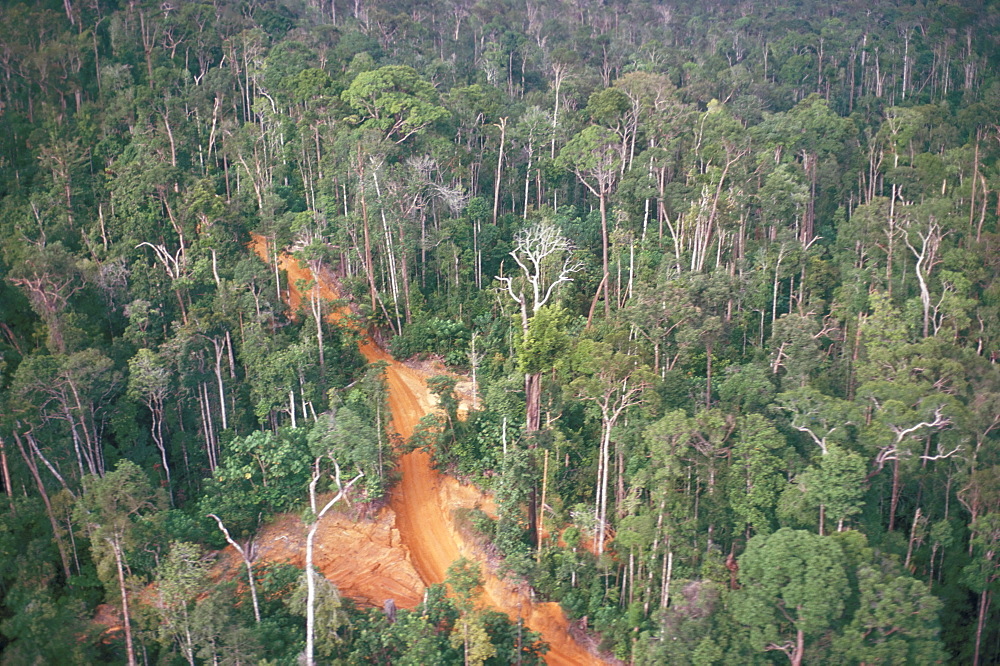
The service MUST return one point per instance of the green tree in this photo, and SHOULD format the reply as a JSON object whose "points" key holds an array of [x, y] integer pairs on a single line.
{"points": [[595, 157], [836, 484], [342, 433], [149, 382], [615, 383], [794, 590], [395, 100], [115, 511], [260, 474], [469, 632], [896, 621], [755, 478], [982, 575], [823, 418], [49, 277], [181, 577], [317, 592], [328, 612], [45, 629], [545, 259]]}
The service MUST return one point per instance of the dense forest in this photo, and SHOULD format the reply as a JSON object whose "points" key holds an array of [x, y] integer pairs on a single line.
{"points": [[724, 276]]}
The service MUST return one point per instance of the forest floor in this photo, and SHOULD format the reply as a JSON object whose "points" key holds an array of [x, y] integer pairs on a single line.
{"points": [[410, 543]]}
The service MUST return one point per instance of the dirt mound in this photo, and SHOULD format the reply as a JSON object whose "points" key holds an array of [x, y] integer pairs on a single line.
{"points": [[364, 558]]}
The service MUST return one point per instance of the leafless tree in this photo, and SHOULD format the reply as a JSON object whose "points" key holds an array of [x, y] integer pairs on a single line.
{"points": [[310, 539], [248, 556], [545, 259]]}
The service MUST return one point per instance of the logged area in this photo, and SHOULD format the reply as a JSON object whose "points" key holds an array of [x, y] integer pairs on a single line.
{"points": [[375, 560], [641, 332]]}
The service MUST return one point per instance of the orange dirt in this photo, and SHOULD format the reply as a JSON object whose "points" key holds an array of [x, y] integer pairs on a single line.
{"points": [[411, 543]]}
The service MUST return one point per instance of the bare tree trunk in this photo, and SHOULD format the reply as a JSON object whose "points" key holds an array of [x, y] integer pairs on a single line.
{"points": [[533, 400], [894, 497], [984, 609], [156, 408], [602, 486], [369, 271], [668, 569], [316, 304], [33, 468], [310, 539], [496, 183], [603, 198], [6, 470], [541, 508], [219, 352], [800, 647], [129, 648], [246, 560]]}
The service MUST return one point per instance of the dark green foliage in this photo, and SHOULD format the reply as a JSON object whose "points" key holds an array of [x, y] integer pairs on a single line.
{"points": [[793, 583], [445, 338], [260, 474]]}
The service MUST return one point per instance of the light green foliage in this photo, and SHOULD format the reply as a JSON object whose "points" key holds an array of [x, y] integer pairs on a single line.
{"points": [[421, 642], [896, 621], [119, 513], [594, 155], [330, 616], [274, 366], [883, 336], [795, 346], [518, 468], [395, 100], [469, 632], [895, 617], [793, 583], [466, 581], [149, 378], [756, 479], [546, 340], [823, 419], [983, 573], [783, 195], [608, 107], [786, 213], [343, 435], [260, 474], [180, 579], [68, 392], [836, 483]]}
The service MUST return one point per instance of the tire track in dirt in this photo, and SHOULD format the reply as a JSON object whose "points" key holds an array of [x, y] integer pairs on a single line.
{"points": [[424, 500]]}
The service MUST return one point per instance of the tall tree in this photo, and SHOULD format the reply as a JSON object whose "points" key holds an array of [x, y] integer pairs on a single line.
{"points": [[614, 382], [595, 157], [794, 588], [545, 259], [114, 511]]}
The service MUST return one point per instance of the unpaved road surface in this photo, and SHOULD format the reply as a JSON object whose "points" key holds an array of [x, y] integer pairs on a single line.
{"points": [[411, 543]]}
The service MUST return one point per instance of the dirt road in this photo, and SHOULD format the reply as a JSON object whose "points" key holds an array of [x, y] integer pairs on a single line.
{"points": [[423, 503]]}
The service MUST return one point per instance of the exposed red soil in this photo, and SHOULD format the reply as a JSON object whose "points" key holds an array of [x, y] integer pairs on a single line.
{"points": [[410, 543]]}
